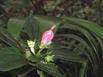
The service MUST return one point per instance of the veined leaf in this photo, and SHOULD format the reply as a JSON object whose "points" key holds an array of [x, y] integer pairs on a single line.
{"points": [[71, 57], [31, 25], [11, 58], [45, 22], [7, 38], [95, 28], [68, 57], [15, 26], [31, 28], [51, 69], [92, 46]]}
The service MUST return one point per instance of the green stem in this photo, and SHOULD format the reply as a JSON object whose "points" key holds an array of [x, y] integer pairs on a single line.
{"points": [[38, 53], [83, 69], [41, 74]]}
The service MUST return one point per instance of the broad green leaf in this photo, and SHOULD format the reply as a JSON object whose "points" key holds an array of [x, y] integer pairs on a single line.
{"points": [[7, 39], [15, 26], [11, 58], [31, 28], [32, 25], [45, 22]]}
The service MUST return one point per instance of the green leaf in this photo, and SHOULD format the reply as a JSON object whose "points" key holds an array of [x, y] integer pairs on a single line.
{"points": [[15, 26], [88, 29], [62, 55], [72, 57], [92, 52], [31, 28], [11, 58], [51, 69], [34, 26], [95, 28], [45, 22], [7, 39]]}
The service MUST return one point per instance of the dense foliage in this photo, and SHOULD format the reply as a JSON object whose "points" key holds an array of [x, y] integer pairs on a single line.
{"points": [[76, 49]]}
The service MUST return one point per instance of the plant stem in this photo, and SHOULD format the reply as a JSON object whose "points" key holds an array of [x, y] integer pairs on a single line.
{"points": [[41, 74]]}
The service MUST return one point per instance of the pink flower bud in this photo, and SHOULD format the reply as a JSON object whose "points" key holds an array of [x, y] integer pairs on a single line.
{"points": [[48, 36]]}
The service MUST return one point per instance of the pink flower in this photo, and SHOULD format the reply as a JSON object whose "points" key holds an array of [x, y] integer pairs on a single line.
{"points": [[48, 36]]}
